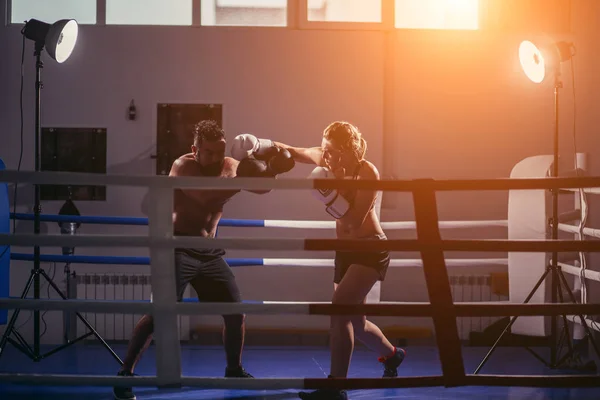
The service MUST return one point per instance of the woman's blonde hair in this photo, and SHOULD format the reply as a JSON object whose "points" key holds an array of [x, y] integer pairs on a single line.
{"points": [[347, 137]]}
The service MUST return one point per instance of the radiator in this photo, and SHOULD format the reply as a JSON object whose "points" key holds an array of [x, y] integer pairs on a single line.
{"points": [[118, 327], [473, 288]]}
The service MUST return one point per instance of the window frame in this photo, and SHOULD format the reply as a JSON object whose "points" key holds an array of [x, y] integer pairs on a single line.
{"points": [[297, 19]]}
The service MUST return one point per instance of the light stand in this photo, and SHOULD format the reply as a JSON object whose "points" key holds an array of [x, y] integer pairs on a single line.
{"points": [[59, 40], [534, 63]]}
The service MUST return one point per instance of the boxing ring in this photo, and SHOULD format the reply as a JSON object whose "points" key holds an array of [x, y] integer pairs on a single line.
{"points": [[526, 243]]}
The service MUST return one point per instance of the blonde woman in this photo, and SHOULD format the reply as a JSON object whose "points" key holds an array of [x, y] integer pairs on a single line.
{"points": [[342, 156]]}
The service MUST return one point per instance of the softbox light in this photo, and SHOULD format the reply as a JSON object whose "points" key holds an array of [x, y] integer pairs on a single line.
{"points": [[58, 38], [538, 60]]}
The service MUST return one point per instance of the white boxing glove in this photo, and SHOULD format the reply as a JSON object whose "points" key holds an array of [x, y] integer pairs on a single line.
{"points": [[336, 205], [246, 144]]}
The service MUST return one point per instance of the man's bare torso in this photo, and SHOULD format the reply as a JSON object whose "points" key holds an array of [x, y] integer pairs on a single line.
{"points": [[198, 212]]}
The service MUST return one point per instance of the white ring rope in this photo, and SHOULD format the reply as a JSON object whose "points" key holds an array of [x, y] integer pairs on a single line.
{"points": [[396, 263], [577, 271], [588, 190], [568, 228], [399, 225]]}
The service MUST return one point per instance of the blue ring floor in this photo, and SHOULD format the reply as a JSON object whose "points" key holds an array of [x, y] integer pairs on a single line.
{"points": [[281, 362]]}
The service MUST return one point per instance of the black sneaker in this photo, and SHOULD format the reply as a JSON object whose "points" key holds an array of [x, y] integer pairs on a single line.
{"points": [[392, 363], [238, 372], [324, 394], [122, 393]]}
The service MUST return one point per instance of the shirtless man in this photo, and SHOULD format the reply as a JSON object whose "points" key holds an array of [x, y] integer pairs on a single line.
{"points": [[197, 213]]}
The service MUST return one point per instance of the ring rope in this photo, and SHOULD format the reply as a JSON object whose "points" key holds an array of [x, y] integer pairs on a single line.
{"points": [[246, 262], [298, 244], [209, 183], [593, 232], [559, 381], [586, 190], [389, 309], [577, 271], [254, 223]]}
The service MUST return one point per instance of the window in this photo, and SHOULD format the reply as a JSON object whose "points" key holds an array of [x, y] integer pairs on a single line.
{"points": [[84, 11], [243, 12], [344, 10], [149, 12], [437, 14]]}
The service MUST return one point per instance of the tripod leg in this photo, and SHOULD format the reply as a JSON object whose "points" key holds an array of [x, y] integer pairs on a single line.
{"points": [[585, 325], [13, 319], [86, 323], [512, 321], [20, 342], [567, 331]]}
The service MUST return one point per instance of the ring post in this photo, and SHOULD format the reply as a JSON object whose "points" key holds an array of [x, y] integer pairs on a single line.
{"points": [[438, 284], [164, 297]]}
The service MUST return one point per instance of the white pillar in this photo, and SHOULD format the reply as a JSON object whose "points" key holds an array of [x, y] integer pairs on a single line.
{"points": [[164, 296]]}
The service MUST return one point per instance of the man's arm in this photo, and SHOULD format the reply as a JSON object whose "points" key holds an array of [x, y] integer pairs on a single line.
{"points": [[306, 155], [364, 199]]}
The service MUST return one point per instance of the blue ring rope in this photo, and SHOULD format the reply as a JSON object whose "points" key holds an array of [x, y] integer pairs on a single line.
{"points": [[233, 262], [139, 221]]}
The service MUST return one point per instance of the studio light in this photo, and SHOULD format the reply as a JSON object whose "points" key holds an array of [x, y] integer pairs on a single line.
{"points": [[59, 41], [539, 60], [58, 38]]}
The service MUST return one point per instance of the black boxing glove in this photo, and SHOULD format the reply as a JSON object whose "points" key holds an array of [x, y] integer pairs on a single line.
{"points": [[250, 167], [267, 153], [281, 161]]}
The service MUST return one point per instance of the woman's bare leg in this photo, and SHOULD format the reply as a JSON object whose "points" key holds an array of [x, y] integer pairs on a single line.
{"points": [[353, 289]]}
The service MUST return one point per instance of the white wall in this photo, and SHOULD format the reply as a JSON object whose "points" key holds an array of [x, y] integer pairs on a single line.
{"points": [[431, 104]]}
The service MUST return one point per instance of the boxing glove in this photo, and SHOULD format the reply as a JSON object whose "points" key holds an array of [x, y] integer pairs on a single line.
{"points": [[281, 161], [336, 205], [250, 167], [246, 145]]}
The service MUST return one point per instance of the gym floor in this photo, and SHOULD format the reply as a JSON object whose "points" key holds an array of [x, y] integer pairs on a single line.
{"points": [[281, 362]]}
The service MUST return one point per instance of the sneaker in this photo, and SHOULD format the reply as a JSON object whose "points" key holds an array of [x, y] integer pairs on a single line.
{"points": [[391, 363], [324, 394], [238, 372], [122, 393]]}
